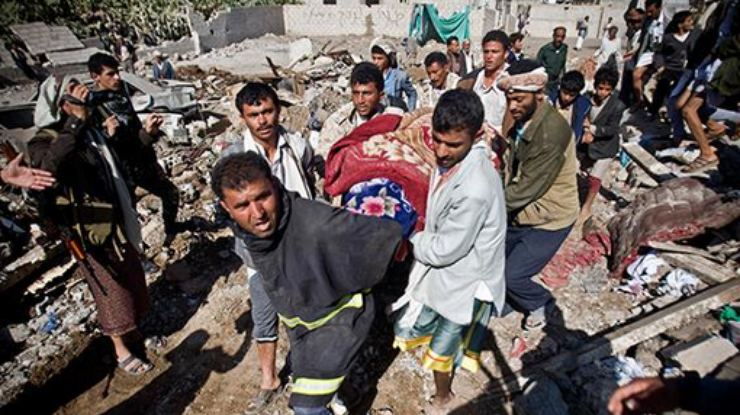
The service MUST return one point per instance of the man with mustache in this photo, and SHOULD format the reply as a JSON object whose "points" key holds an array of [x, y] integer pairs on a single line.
{"points": [[541, 188], [318, 264]]}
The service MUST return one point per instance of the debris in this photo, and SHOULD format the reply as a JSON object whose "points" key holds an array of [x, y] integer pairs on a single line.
{"points": [[679, 283], [702, 355], [678, 209], [541, 397], [623, 368]]}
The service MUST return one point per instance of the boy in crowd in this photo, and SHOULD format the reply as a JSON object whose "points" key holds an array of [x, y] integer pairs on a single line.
{"points": [[600, 142], [570, 103]]}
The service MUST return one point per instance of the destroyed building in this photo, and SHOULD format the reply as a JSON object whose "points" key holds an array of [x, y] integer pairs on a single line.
{"points": [[641, 293]]}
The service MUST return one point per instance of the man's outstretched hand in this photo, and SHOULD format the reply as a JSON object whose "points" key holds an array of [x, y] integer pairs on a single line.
{"points": [[20, 176]]}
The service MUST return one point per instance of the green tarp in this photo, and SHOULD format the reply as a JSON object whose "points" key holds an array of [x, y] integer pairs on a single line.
{"points": [[426, 24]]}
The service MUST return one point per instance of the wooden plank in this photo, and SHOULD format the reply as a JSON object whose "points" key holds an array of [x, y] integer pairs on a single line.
{"points": [[28, 264], [674, 247], [615, 341], [708, 271], [647, 162]]}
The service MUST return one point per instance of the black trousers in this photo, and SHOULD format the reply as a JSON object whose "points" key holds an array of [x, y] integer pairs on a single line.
{"points": [[528, 250]]}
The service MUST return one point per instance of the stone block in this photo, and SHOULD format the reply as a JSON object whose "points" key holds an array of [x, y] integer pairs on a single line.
{"points": [[702, 355]]}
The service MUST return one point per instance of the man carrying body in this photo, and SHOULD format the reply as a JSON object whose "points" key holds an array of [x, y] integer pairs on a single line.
{"points": [[290, 158], [368, 101], [440, 79], [541, 189], [553, 56], [483, 81], [318, 265], [133, 141], [458, 278]]}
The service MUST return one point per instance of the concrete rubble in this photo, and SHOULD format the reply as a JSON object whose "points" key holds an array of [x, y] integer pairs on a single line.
{"points": [[198, 280]]}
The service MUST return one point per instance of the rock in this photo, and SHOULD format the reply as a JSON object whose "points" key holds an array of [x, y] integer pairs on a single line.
{"points": [[153, 233], [48, 350], [702, 355], [19, 333], [542, 397], [188, 193]]}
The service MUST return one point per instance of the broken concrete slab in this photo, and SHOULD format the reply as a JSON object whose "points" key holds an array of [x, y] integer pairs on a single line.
{"points": [[71, 57], [41, 38], [702, 355], [26, 265]]}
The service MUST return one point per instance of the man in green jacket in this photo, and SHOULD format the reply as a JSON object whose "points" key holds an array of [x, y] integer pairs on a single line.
{"points": [[541, 189], [553, 56]]}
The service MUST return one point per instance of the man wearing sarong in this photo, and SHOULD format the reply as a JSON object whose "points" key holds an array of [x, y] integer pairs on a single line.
{"points": [[92, 211], [318, 265], [457, 281]]}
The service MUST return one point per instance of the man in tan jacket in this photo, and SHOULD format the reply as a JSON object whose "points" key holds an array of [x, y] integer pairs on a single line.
{"points": [[541, 189]]}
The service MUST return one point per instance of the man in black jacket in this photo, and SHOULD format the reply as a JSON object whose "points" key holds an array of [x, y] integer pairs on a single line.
{"points": [[600, 142], [132, 140], [318, 264]]}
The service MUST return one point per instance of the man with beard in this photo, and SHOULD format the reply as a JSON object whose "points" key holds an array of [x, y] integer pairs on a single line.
{"points": [[541, 188]]}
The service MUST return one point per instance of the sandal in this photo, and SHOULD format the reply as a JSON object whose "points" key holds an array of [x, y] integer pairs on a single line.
{"points": [[134, 366], [155, 343], [532, 322], [700, 164], [264, 399]]}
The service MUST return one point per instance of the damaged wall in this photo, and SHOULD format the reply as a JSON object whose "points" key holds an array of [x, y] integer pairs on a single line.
{"points": [[386, 20], [234, 26], [242, 23]]}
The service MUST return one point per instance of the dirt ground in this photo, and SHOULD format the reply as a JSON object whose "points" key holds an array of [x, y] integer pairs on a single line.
{"points": [[209, 365]]}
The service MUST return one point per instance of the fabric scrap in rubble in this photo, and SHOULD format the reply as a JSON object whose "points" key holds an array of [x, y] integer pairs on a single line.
{"points": [[623, 368], [679, 283], [573, 254], [679, 209]]}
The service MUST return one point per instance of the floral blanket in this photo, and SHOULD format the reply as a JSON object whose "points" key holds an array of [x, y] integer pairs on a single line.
{"points": [[404, 157], [384, 199]]}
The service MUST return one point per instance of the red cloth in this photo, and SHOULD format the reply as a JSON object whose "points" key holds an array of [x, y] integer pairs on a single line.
{"points": [[374, 150], [575, 254]]}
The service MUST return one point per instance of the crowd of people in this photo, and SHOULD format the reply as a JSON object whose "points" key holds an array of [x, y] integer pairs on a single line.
{"points": [[508, 139]]}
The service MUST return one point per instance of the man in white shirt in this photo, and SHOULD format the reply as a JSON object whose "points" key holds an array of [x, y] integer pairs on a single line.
{"points": [[457, 281], [611, 48], [290, 158], [495, 48]]}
